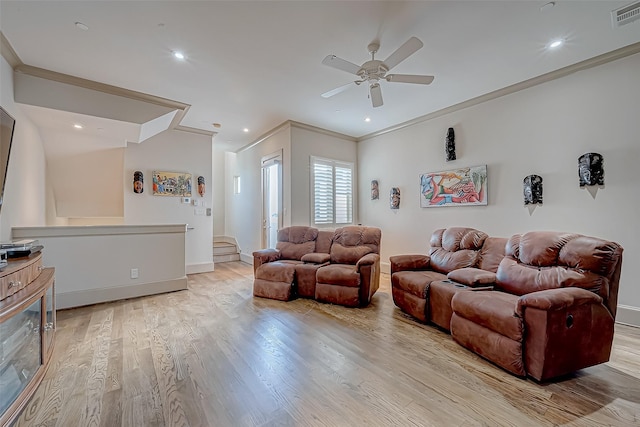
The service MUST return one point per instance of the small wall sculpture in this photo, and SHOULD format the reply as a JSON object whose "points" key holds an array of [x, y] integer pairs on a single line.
{"points": [[201, 186], [375, 193], [138, 182], [450, 145], [532, 189], [394, 198], [591, 169]]}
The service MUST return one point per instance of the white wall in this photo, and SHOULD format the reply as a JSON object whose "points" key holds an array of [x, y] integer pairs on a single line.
{"points": [[173, 151], [541, 130], [245, 219], [218, 191], [304, 144], [25, 188]]}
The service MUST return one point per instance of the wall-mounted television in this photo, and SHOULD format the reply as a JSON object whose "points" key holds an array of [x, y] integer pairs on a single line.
{"points": [[7, 124]]}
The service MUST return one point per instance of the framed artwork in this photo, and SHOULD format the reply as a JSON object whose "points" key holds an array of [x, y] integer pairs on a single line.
{"points": [[172, 184], [456, 187]]}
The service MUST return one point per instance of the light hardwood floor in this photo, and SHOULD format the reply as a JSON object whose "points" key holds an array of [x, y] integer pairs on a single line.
{"points": [[216, 356]]}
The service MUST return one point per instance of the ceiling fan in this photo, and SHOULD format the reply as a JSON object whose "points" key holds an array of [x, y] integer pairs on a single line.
{"points": [[375, 70]]}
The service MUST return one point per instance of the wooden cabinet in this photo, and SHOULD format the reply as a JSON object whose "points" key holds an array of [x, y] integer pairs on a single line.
{"points": [[27, 331]]}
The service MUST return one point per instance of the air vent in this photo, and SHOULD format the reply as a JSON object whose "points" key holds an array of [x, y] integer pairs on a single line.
{"points": [[625, 15]]}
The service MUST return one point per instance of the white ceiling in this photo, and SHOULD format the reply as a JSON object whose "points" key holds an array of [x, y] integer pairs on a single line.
{"points": [[256, 64]]}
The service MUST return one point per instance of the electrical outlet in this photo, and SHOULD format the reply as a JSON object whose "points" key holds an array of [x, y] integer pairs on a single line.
{"points": [[134, 273]]}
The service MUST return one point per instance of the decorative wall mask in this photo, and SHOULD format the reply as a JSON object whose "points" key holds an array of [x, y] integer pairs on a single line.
{"points": [[591, 169], [138, 182], [201, 186], [450, 145], [375, 193], [532, 190], [394, 198]]}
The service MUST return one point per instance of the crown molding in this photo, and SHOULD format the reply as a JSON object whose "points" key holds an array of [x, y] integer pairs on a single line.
{"points": [[322, 131], [101, 87], [299, 125], [8, 53], [620, 53]]}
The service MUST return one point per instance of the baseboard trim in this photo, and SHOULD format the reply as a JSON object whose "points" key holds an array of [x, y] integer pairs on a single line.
{"points": [[385, 267], [96, 296], [628, 315], [246, 258], [203, 267]]}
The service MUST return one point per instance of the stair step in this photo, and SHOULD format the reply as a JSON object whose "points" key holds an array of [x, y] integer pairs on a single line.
{"points": [[226, 258], [224, 248]]}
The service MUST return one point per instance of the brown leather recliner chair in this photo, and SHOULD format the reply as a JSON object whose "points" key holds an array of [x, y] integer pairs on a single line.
{"points": [[353, 275], [452, 248], [290, 269], [553, 308]]}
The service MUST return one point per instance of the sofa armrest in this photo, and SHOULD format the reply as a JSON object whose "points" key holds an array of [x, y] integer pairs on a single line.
{"points": [[409, 262], [264, 256], [368, 259], [472, 276], [556, 299], [315, 258]]}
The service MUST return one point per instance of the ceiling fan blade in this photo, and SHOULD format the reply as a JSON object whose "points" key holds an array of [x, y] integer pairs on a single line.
{"points": [[376, 95], [341, 64], [403, 52], [337, 90], [409, 78]]}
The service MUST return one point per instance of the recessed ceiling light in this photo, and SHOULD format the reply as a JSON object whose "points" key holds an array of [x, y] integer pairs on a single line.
{"points": [[367, 119], [245, 130], [82, 26], [178, 55], [217, 125], [77, 126], [556, 43]]}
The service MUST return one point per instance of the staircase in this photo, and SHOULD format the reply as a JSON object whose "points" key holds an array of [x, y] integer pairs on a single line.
{"points": [[225, 249]]}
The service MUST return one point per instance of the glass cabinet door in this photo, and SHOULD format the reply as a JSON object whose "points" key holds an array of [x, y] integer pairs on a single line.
{"points": [[20, 352], [50, 319]]}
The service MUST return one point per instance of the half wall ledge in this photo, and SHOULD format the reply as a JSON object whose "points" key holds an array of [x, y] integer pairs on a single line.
{"points": [[104, 263]]}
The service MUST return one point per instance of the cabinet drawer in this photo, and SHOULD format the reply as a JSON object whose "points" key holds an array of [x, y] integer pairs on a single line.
{"points": [[12, 283]]}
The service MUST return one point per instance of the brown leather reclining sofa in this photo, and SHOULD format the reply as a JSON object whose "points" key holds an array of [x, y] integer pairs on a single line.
{"points": [[540, 304], [339, 267]]}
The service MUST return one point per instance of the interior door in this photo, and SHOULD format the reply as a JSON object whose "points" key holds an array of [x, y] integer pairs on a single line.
{"points": [[271, 199]]}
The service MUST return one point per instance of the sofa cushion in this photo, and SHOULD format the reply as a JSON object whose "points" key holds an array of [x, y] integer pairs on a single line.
{"points": [[416, 282], [520, 279], [492, 253], [339, 274], [455, 247], [353, 242], [490, 309], [296, 241], [472, 276]]}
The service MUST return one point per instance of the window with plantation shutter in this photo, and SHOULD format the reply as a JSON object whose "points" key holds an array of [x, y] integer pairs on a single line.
{"points": [[332, 192]]}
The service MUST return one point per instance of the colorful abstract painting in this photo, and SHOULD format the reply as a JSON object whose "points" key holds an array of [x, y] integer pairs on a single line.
{"points": [[172, 184], [456, 187]]}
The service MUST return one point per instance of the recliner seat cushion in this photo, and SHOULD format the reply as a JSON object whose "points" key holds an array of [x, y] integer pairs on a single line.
{"points": [[339, 274], [490, 309]]}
